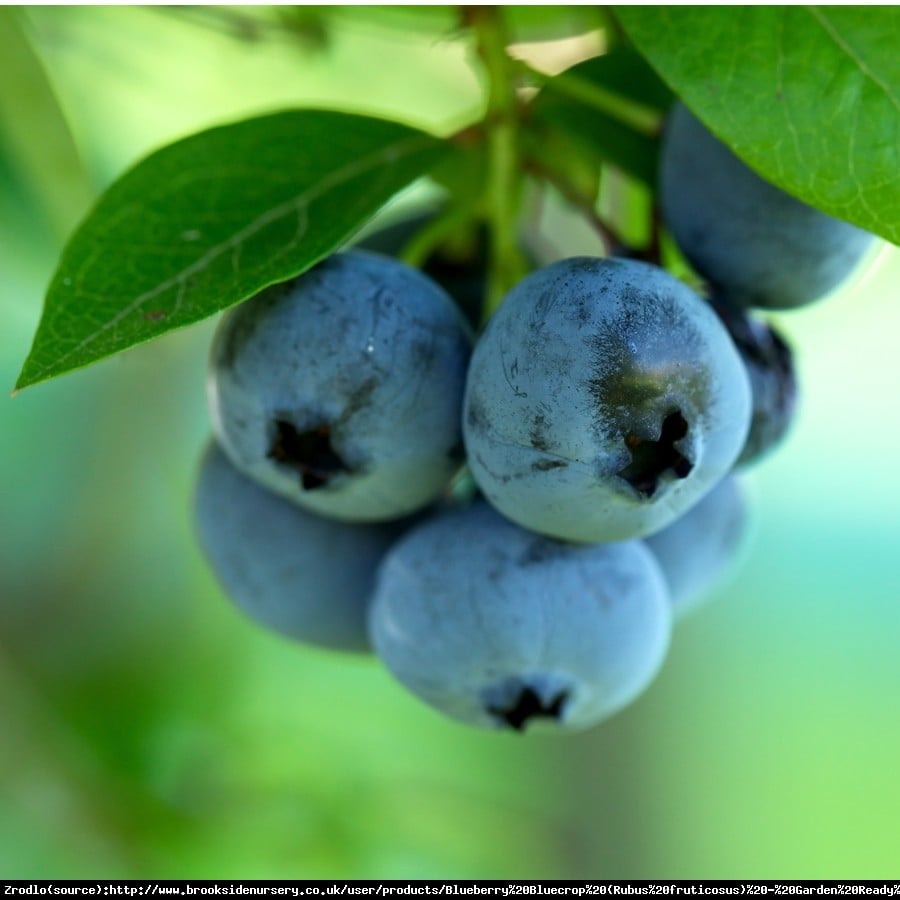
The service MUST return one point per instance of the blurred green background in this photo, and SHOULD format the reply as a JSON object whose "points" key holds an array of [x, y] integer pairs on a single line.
{"points": [[148, 730]]}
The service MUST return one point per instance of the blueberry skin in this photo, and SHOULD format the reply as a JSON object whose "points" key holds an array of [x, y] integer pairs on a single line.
{"points": [[499, 627], [603, 400], [304, 576], [743, 234], [700, 551], [342, 389]]}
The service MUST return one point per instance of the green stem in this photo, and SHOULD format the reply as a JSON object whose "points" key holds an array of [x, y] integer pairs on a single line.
{"points": [[544, 171], [504, 173], [642, 119], [434, 234]]}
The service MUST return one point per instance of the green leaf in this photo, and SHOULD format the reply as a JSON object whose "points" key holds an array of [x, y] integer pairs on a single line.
{"points": [[807, 96], [547, 23], [622, 72], [597, 134], [612, 105], [213, 219], [523, 23], [35, 132]]}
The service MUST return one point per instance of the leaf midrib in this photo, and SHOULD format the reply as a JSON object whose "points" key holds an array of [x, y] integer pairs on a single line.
{"points": [[842, 45], [292, 206]]}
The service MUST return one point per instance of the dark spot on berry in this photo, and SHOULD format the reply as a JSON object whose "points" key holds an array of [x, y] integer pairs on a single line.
{"points": [[424, 353], [527, 705], [538, 433], [651, 459], [310, 453], [476, 417], [545, 465], [360, 398], [540, 550]]}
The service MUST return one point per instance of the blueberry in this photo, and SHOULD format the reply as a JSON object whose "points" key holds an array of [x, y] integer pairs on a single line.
{"points": [[773, 381], [304, 576], [342, 389], [603, 400], [699, 551], [499, 627], [746, 236]]}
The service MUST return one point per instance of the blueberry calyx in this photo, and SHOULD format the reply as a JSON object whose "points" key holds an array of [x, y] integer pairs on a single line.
{"points": [[309, 452], [650, 460], [526, 704]]}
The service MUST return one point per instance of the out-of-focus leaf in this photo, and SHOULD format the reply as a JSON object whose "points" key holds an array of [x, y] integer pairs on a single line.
{"points": [[545, 23], [598, 134], [523, 23], [34, 130], [213, 219], [612, 105], [622, 72]]}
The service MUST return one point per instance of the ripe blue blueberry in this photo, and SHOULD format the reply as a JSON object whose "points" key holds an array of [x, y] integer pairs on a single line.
{"points": [[304, 576], [699, 551], [603, 400], [744, 235], [342, 389], [773, 381], [499, 627]]}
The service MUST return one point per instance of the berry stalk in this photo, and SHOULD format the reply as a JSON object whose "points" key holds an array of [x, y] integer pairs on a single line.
{"points": [[501, 124]]}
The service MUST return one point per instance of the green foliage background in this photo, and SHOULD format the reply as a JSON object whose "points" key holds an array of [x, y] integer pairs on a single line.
{"points": [[149, 731]]}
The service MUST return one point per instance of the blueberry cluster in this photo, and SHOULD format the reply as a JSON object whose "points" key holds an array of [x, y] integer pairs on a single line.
{"points": [[598, 420]]}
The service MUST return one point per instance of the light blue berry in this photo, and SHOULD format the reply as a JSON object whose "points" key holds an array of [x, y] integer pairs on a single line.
{"points": [[304, 576], [701, 550], [499, 627], [603, 400], [342, 389], [750, 239]]}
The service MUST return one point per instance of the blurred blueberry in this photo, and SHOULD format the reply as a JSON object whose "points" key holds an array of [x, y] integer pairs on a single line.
{"points": [[701, 550], [773, 380], [747, 237], [301, 575]]}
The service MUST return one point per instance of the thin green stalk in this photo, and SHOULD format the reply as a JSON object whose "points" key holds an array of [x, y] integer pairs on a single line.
{"points": [[504, 171], [641, 118]]}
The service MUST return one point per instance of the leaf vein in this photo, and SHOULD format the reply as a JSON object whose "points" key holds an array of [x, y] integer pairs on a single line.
{"points": [[295, 205], [835, 36]]}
